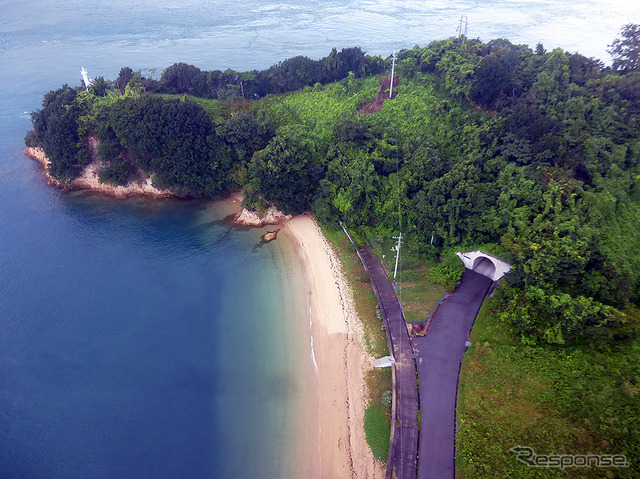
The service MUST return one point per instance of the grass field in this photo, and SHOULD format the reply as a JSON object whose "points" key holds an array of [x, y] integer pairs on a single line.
{"points": [[574, 399]]}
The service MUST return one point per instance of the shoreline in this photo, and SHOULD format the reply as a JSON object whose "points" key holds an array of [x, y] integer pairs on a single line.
{"points": [[339, 358], [330, 435], [88, 180], [143, 187]]}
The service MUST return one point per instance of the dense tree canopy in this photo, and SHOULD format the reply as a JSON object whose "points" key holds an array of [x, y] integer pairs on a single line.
{"points": [[56, 130], [535, 151], [174, 139]]}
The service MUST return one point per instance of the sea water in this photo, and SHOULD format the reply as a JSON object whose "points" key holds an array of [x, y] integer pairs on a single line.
{"points": [[145, 338], [142, 339]]}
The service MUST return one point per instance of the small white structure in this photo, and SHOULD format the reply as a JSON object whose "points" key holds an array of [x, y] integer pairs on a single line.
{"points": [[85, 77], [385, 362], [485, 264]]}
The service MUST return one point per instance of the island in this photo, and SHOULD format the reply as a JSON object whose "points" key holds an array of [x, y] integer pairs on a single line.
{"points": [[530, 155]]}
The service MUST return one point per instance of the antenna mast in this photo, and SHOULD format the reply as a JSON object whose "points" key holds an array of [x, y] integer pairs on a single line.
{"points": [[393, 68]]}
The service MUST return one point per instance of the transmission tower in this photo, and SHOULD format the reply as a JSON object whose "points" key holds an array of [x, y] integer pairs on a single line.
{"points": [[462, 28]]}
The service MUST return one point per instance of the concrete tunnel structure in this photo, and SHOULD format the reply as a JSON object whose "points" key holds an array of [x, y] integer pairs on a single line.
{"points": [[485, 264]]}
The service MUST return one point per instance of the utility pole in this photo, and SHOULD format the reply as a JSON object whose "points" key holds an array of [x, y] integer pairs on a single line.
{"points": [[393, 68], [395, 271]]}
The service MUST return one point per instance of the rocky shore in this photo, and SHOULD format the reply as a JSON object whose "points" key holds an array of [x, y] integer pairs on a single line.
{"points": [[143, 186], [252, 218], [88, 180]]}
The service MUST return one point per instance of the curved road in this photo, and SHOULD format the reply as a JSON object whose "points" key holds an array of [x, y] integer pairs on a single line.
{"points": [[404, 445], [439, 355], [436, 359]]}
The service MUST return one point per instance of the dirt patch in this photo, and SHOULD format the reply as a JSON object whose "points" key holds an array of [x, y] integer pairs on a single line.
{"points": [[419, 329], [382, 95]]}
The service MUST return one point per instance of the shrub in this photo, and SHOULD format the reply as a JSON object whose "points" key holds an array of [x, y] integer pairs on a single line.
{"points": [[448, 271], [387, 398]]}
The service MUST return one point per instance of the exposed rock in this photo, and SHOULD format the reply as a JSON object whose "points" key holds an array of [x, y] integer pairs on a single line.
{"points": [[270, 236], [252, 218], [88, 179]]}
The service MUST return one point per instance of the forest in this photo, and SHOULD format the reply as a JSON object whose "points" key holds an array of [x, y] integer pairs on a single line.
{"points": [[533, 152]]}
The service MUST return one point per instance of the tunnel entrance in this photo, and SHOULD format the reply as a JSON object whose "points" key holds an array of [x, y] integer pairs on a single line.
{"points": [[484, 266]]}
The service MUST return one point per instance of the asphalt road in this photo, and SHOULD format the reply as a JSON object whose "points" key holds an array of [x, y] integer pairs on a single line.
{"points": [[404, 446], [439, 355]]}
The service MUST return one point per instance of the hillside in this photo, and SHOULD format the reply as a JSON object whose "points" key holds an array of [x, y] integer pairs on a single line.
{"points": [[534, 152]]}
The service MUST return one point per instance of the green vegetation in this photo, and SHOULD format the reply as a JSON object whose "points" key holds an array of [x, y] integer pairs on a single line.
{"points": [[532, 155], [417, 291], [377, 428], [555, 399], [365, 300], [387, 398]]}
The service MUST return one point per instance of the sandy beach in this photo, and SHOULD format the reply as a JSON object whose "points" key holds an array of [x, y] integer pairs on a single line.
{"points": [[336, 444]]}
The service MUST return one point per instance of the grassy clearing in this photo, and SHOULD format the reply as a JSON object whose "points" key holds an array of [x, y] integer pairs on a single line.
{"points": [[417, 294], [557, 400]]}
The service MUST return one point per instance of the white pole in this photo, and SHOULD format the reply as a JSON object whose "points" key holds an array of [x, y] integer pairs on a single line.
{"points": [[393, 67], [395, 271], [85, 77]]}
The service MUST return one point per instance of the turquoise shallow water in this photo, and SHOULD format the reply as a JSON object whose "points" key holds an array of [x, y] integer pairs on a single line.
{"points": [[144, 338]]}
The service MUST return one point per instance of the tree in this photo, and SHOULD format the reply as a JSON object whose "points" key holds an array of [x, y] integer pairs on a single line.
{"points": [[99, 86], [354, 188], [56, 129], [494, 78], [245, 133], [458, 66], [175, 140], [626, 50], [332, 64], [183, 78], [282, 172], [125, 75]]}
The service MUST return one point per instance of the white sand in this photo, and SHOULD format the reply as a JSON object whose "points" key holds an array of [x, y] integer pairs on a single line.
{"points": [[339, 448]]}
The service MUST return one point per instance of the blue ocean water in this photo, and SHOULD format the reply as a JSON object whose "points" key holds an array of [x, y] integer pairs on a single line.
{"points": [[140, 339], [146, 338]]}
